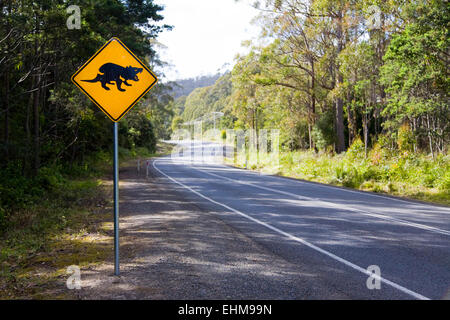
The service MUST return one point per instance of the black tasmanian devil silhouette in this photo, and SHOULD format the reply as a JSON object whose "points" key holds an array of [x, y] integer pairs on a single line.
{"points": [[114, 72]]}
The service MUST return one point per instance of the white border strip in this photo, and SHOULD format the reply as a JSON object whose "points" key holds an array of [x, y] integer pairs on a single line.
{"points": [[306, 243]]}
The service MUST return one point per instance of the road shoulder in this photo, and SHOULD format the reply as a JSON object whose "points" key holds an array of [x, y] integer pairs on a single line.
{"points": [[172, 249]]}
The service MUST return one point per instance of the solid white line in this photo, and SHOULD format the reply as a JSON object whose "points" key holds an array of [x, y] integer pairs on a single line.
{"points": [[300, 240], [330, 204]]}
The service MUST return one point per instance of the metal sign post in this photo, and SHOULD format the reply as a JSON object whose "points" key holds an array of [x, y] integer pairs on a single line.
{"points": [[114, 62], [116, 199]]}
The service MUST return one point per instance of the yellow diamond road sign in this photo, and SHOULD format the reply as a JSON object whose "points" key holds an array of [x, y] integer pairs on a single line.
{"points": [[114, 79]]}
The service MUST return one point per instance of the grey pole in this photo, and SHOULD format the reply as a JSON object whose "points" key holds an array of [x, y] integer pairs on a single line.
{"points": [[116, 199]]}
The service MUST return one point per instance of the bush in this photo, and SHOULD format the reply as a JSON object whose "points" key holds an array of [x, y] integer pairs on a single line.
{"points": [[356, 150], [2, 218], [385, 170], [370, 173], [49, 178], [378, 154], [17, 191], [124, 153], [323, 133], [319, 138], [444, 182], [143, 152], [348, 176], [405, 138]]}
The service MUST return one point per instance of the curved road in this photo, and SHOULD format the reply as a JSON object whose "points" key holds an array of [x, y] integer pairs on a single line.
{"points": [[344, 236]]}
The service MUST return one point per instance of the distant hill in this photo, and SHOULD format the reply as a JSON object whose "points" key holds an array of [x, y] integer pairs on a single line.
{"points": [[185, 86], [207, 99]]}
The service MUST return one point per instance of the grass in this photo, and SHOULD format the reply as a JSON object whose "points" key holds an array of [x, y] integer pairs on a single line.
{"points": [[43, 239], [126, 156], [66, 221], [404, 174]]}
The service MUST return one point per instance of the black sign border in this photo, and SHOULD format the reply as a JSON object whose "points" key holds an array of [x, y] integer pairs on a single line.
{"points": [[98, 104]]}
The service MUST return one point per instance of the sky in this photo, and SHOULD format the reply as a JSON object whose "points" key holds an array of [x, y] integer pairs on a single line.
{"points": [[207, 34]]}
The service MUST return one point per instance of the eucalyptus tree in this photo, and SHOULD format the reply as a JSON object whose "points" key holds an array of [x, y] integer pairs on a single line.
{"points": [[45, 120]]}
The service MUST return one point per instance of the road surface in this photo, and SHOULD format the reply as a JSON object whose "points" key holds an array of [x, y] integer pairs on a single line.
{"points": [[335, 232]]}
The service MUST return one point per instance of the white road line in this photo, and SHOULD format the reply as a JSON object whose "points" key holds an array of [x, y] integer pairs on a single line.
{"points": [[333, 205], [300, 240]]}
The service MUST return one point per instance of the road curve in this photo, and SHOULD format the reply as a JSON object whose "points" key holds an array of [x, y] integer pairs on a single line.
{"points": [[338, 232]]}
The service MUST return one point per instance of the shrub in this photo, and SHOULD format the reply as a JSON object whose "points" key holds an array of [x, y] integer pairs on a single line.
{"points": [[124, 153], [405, 138], [391, 187], [323, 133], [348, 176], [319, 138], [2, 218], [370, 173], [356, 150], [288, 159], [444, 182], [378, 154], [143, 152], [49, 178]]}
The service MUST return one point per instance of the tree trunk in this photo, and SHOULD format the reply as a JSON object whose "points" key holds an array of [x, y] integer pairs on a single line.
{"points": [[36, 127], [26, 154], [6, 103], [430, 139], [340, 142], [312, 119], [36, 99], [7, 116], [351, 121], [340, 139], [366, 131]]}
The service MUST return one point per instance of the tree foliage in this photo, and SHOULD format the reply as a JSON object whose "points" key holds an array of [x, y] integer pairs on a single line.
{"points": [[45, 119], [330, 72]]}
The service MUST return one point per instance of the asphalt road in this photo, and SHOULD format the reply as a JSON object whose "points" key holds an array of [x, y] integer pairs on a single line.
{"points": [[337, 233]]}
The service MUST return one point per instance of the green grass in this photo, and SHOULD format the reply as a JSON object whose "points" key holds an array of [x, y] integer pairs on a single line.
{"points": [[410, 175], [41, 240], [60, 218], [128, 156]]}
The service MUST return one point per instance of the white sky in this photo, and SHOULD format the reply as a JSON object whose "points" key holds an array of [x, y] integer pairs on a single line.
{"points": [[206, 35]]}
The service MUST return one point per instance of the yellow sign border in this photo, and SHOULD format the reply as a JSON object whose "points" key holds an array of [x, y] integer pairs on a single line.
{"points": [[93, 100]]}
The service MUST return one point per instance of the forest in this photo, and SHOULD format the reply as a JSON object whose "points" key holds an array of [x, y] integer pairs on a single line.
{"points": [[368, 77], [333, 76], [358, 89], [48, 127], [183, 87]]}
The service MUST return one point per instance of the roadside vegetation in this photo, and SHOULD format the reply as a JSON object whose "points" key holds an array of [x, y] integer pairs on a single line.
{"points": [[357, 89], [406, 174], [361, 101], [49, 223], [51, 133], [63, 217], [56, 145]]}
